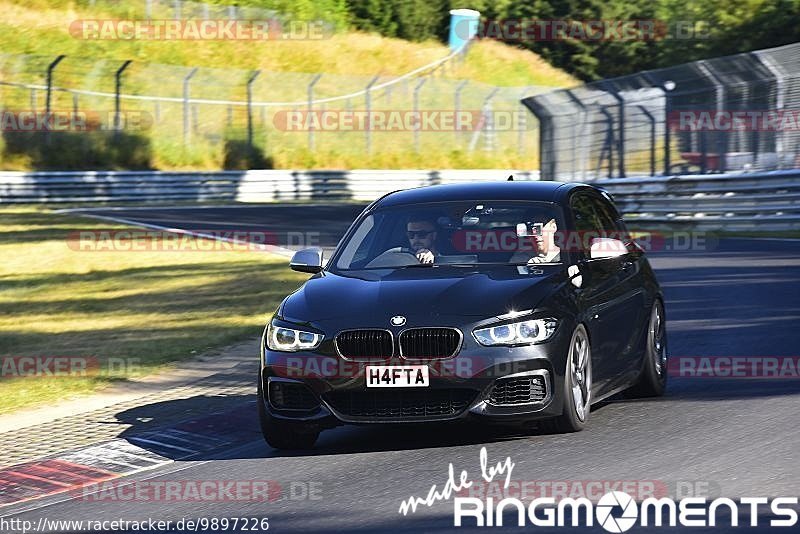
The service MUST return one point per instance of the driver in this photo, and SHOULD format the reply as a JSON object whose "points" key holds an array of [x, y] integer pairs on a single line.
{"points": [[421, 234]]}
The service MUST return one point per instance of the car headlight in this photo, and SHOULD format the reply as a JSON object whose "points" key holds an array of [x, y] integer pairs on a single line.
{"points": [[519, 333], [290, 339]]}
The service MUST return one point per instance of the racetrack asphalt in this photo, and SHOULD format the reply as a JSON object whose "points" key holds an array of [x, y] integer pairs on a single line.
{"points": [[722, 436]]}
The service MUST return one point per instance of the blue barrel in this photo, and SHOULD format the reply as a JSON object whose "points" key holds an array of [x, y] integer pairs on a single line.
{"points": [[463, 26]]}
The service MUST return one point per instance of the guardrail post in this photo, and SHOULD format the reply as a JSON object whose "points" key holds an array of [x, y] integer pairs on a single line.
{"points": [[186, 130], [48, 98], [368, 105], [310, 109], [250, 106], [117, 90], [416, 112]]}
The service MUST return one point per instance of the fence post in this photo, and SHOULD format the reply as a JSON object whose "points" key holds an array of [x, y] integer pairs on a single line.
{"points": [[667, 87], [310, 108], [48, 98], [368, 105], [250, 106], [621, 125], [148, 9], [521, 126], [491, 136], [457, 106], [117, 90], [780, 92], [186, 129], [583, 164], [33, 100], [608, 145], [485, 121], [652, 119], [719, 90], [177, 9], [417, 89]]}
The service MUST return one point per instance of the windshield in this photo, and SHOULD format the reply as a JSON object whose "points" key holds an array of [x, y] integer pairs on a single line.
{"points": [[463, 233]]}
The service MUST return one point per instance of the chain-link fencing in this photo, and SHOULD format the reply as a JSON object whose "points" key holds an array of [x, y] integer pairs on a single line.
{"points": [[736, 113], [167, 116]]}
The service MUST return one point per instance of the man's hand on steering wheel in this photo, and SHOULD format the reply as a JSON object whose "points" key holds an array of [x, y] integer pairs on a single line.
{"points": [[424, 255]]}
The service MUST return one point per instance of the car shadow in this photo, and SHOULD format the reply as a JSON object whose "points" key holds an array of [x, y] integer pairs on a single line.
{"points": [[226, 426]]}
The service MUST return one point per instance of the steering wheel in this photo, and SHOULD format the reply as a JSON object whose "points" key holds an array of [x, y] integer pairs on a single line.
{"points": [[394, 257]]}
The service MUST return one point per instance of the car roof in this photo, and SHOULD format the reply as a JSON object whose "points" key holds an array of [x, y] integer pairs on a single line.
{"points": [[545, 191]]}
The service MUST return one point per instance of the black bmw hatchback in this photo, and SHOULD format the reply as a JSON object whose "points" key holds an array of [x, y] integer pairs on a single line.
{"points": [[505, 302]]}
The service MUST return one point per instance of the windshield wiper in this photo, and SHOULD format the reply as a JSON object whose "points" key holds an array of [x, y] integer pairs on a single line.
{"points": [[413, 265]]}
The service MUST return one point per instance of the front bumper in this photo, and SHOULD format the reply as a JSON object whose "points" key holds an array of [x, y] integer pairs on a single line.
{"points": [[460, 388]]}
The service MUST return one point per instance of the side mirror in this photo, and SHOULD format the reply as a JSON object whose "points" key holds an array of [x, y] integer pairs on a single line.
{"points": [[308, 260], [606, 247]]}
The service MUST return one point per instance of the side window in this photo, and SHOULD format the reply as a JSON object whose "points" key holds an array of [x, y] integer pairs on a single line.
{"points": [[584, 215], [587, 224], [605, 216]]}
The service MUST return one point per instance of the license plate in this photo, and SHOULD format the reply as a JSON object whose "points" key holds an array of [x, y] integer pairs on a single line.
{"points": [[397, 376]]}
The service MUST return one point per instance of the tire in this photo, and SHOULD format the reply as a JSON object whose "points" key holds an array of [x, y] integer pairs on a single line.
{"points": [[577, 385], [652, 381], [284, 435]]}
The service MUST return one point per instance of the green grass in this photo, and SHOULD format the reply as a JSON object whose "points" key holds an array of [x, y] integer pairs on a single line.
{"points": [[153, 308], [347, 59]]}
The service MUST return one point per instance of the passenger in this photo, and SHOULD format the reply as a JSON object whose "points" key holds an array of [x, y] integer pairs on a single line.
{"points": [[545, 251]]}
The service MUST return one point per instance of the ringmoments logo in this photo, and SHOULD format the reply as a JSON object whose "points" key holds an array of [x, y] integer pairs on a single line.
{"points": [[615, 511]]}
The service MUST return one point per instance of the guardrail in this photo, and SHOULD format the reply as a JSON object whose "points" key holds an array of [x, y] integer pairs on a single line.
{"points": [[739, 202], [733, 202], [240, 186]]}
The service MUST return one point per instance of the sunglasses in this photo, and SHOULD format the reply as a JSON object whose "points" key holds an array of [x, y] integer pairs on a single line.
{"points": [[419, 233]]}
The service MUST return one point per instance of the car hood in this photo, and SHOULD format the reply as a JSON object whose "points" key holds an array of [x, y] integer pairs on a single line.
{"points": [[372, 297]]}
